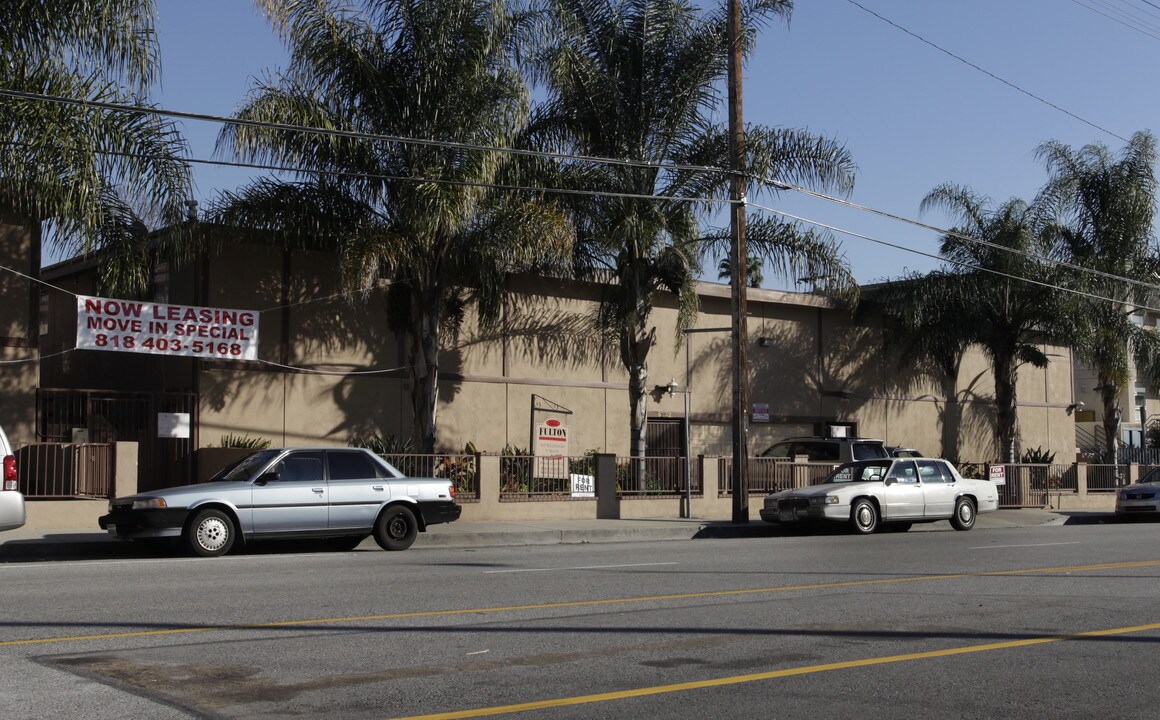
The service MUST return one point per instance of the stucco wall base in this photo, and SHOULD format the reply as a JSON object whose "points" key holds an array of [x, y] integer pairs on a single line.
{"points": [[64, 514], [1083, 501]]}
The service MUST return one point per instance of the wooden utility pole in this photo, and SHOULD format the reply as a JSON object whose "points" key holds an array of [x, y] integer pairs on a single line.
{"points": [[738, 259]]}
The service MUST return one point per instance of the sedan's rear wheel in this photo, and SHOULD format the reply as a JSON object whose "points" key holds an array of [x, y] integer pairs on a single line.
{"points": [[210, 533], [864, 517], [396, 528], [964, 517]]}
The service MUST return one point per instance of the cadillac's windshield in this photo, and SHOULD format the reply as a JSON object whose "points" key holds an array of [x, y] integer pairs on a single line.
{"points": [[244, 468], [860, 472]]}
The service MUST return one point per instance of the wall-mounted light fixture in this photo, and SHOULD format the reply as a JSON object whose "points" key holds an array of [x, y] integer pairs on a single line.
{"points": [[671, 388], [1075, 406], [765, 342], [843, 394]]}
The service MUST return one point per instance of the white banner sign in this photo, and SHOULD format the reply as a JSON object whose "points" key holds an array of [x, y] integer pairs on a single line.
{"points": [[176, 330], [173, 425]]}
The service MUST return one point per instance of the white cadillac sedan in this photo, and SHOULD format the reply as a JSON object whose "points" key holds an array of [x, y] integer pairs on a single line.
{"points": [[891, 493]]}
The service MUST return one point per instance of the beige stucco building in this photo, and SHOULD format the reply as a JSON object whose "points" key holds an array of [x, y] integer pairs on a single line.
{"points": [[328, 370]]}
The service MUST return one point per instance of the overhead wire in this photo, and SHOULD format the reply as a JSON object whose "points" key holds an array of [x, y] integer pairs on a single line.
{"points": [[543, 154], [778, 184], [951, 261], [1128, 20], [986, 72], [964, 237]]}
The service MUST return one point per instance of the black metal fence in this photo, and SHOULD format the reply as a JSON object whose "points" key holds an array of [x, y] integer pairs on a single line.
{"points": [[462, 470]]}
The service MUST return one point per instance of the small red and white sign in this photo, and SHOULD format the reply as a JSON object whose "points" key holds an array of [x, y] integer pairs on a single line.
{"points": [[159, 329], [551, 443], [998, 474]]}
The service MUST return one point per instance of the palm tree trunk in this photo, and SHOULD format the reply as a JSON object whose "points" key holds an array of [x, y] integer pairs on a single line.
{"points": [[634, 348], [423, 368], [1006, 418], [1110, 396]]}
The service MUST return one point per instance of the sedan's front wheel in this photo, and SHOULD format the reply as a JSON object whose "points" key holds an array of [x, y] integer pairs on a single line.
{"points": [[396, 528], [210, 534], [964, 517], [864, 517]]}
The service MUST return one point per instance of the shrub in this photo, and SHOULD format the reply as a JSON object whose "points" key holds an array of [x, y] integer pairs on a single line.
{"points": [[383, 445], [244, 442], [1037, 456]]}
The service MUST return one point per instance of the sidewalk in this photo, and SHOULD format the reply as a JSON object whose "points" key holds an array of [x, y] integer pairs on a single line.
{"points": [[27, 544]]}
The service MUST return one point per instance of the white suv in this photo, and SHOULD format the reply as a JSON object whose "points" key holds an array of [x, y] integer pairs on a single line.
{"points": [[12, 513], [835, 450]]}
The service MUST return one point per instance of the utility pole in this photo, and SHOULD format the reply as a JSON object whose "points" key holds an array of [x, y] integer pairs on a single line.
{"points": [[738, 258]]}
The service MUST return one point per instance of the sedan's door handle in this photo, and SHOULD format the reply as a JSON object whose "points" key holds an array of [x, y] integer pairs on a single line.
{"points": [[317, 490], [377, 487]]}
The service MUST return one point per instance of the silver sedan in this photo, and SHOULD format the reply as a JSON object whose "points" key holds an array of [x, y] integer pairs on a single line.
{"points": [[1140, 498], [343, 494], [894, 493]]}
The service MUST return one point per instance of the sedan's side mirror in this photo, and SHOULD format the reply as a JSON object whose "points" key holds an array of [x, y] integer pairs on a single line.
{"points": [[890, 480], [265, 478]]}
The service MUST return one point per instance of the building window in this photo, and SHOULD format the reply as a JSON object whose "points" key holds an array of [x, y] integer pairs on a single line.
{"points": [[44, 313], [161, 282]]}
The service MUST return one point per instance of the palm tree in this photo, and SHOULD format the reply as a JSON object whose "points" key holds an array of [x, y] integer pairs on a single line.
{"points": [[753, 276], [924, 334], [1106, 206], [995, 252], [639, 81], [97, 176], [424, 215]]}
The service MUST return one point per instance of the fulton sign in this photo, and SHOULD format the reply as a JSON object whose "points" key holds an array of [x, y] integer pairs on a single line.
{"points": [[551, 444]]}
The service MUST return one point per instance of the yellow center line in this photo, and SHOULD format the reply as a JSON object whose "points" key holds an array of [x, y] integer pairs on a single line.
{"points": [[574, 603], [771, 675]]}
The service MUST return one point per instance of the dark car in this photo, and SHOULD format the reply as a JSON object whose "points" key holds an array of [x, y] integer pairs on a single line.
{"points": [[827, 449], [345, 494]]}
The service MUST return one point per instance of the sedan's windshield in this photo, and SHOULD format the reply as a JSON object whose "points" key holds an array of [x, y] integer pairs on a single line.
{"points": [[244, 468], [860, 472]]}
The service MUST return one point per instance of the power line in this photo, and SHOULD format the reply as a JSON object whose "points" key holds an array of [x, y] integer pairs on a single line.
{"points": [[964, 237], [988, 73], [969, 266], [541, 154], [349, 134], [642, 196], [1128, 20]]}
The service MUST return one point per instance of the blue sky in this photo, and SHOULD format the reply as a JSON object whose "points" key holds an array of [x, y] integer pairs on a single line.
{"points": [[911, 116]]}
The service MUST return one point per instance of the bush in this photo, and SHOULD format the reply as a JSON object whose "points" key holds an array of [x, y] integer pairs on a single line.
{"points": [[244, 442], [380, 445], [1037, 456]]}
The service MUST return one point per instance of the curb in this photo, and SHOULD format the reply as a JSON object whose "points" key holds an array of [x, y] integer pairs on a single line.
{"points": [[76, 544]]}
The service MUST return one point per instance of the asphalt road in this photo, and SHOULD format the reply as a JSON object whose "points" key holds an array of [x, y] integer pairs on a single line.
{"points": [[1055, 621]]}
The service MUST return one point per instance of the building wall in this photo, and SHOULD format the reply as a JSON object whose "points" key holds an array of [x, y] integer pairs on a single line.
{"points": [[330, 370], [811, 362], [19, 329]]}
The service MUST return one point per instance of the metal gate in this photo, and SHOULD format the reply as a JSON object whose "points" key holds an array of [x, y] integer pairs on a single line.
{"points": [[101, 416], [665, 450]]}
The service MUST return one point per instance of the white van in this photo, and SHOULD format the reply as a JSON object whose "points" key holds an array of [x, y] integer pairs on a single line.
{"points": [[12, 513]]}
